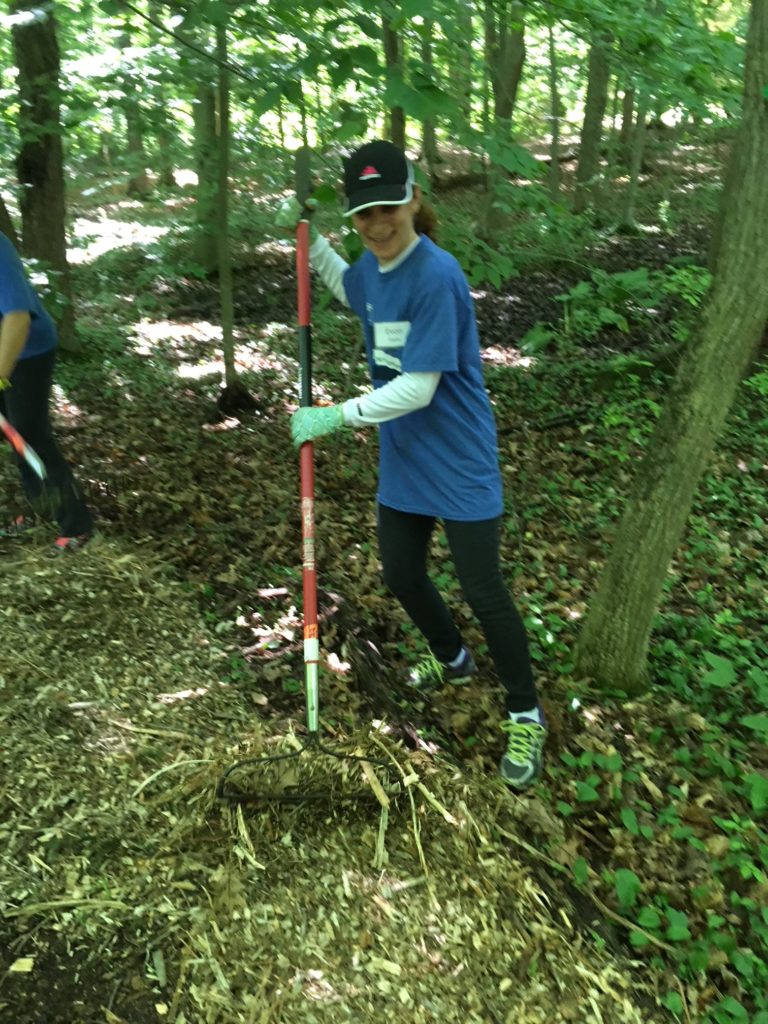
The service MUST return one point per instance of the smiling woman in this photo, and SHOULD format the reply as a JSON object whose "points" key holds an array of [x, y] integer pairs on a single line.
{"points": [[437, 436]]}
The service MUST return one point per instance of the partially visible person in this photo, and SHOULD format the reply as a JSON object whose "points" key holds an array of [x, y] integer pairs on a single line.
{"points": [[438, 459], [28, 343]]}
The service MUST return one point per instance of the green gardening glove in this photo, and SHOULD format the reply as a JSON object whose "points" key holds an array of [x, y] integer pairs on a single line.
{"points": [[289, 213], [311, 422]]}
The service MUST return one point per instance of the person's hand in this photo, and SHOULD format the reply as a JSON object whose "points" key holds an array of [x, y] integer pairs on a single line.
{"points": [[289, 213], [310, 422]]}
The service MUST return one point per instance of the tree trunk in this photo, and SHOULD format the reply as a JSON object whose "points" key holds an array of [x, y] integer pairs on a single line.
{"points": [[222, 217], [462, 64], [138, 179], [614, 643], [554, 106], [164, 131], [393, 57], [627, 120], [428, 133], [505, 53], [40, 162], [6, 224], [635, 162], [207, 182], [592, 127]]}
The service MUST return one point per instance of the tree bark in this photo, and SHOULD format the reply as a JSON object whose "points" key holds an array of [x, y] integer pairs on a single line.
{"points": [[138, 178], [554, 107], [505, 54], [162, 124], [428, 128], [614, 642], [222, 218], [207, 182], [393, 58], [627, 120], [40, 162], [462, 59], [592, 127], [635, 162]]}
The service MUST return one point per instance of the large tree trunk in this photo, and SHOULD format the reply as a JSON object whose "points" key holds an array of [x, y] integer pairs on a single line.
{"points": [[592, 126], [393, 57], [614, 642], [505, 54], [40, 162]]}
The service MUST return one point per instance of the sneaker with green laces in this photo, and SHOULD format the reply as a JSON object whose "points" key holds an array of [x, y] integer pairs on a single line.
{"points": [[520, 765], [431, 672]]}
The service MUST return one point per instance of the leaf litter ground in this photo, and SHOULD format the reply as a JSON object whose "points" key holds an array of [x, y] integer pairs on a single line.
{"points": [[136, 672]]}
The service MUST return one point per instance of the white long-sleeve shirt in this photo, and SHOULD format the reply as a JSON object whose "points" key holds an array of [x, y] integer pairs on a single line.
{"points": [[406, 393]]}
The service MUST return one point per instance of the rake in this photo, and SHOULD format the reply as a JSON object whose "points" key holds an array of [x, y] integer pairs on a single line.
{"points": [[289, 788]]}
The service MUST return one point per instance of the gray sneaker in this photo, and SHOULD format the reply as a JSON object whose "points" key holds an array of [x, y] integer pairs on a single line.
{"points": [[520, 766], [430, 673]]}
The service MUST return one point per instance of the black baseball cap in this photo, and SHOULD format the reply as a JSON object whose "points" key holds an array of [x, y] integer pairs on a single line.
{"points": [[377, 174]]}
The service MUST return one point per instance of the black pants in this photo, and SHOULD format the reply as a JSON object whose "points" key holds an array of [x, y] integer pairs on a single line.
{"points": [[404, 543], [26, 405]]}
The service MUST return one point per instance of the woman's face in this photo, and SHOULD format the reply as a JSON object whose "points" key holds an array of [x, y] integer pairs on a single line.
{"points": [[387, 230]]}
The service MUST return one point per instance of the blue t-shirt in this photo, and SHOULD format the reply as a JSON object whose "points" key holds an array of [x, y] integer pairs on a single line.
{"points": [[18, 295], [419, 317]]}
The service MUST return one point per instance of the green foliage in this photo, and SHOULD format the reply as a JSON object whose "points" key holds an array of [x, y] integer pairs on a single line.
{"points": [[621, 302]]}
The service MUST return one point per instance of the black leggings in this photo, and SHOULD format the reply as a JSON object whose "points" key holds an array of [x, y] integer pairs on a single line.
{"points": [[25, 406], [404, 543]]}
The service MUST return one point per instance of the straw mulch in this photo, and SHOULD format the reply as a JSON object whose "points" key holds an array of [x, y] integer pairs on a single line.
{"points": [[129, 893]]}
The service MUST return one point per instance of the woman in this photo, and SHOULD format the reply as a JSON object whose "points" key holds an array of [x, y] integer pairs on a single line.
{"points": [[437, 437], [28, 343]]}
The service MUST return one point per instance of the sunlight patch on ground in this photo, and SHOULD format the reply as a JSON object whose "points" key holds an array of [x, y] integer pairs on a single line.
{"points": [[65, 409], [149, 333], [507, 357], [104, 235]]}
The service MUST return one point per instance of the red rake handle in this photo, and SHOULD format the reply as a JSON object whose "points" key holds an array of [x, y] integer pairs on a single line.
{"points": [[306, 454], [22, 449]]}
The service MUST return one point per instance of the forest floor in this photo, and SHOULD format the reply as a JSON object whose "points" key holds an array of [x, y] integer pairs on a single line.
{"points": [[628, 885]]}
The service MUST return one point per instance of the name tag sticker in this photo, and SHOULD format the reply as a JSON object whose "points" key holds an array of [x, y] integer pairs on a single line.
{"points": [[392, 334]]}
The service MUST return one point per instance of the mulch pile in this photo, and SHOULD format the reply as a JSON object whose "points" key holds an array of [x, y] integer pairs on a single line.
{"points": [[129, 893]]}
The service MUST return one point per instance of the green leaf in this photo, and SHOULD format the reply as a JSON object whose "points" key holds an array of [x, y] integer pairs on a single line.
{"points": [[678, 930], [673, 1001], [325, 194], [758, 791], [629, 820], [757, 722], [269, 100], [721, 674], [649, 918], [628, 886], [580, 871], [735, 1011], [292, 91], [586, 793]]}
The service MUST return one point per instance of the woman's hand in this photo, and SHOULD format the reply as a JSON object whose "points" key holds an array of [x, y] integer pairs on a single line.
{"points": [[290, 212], [310, 422]]}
